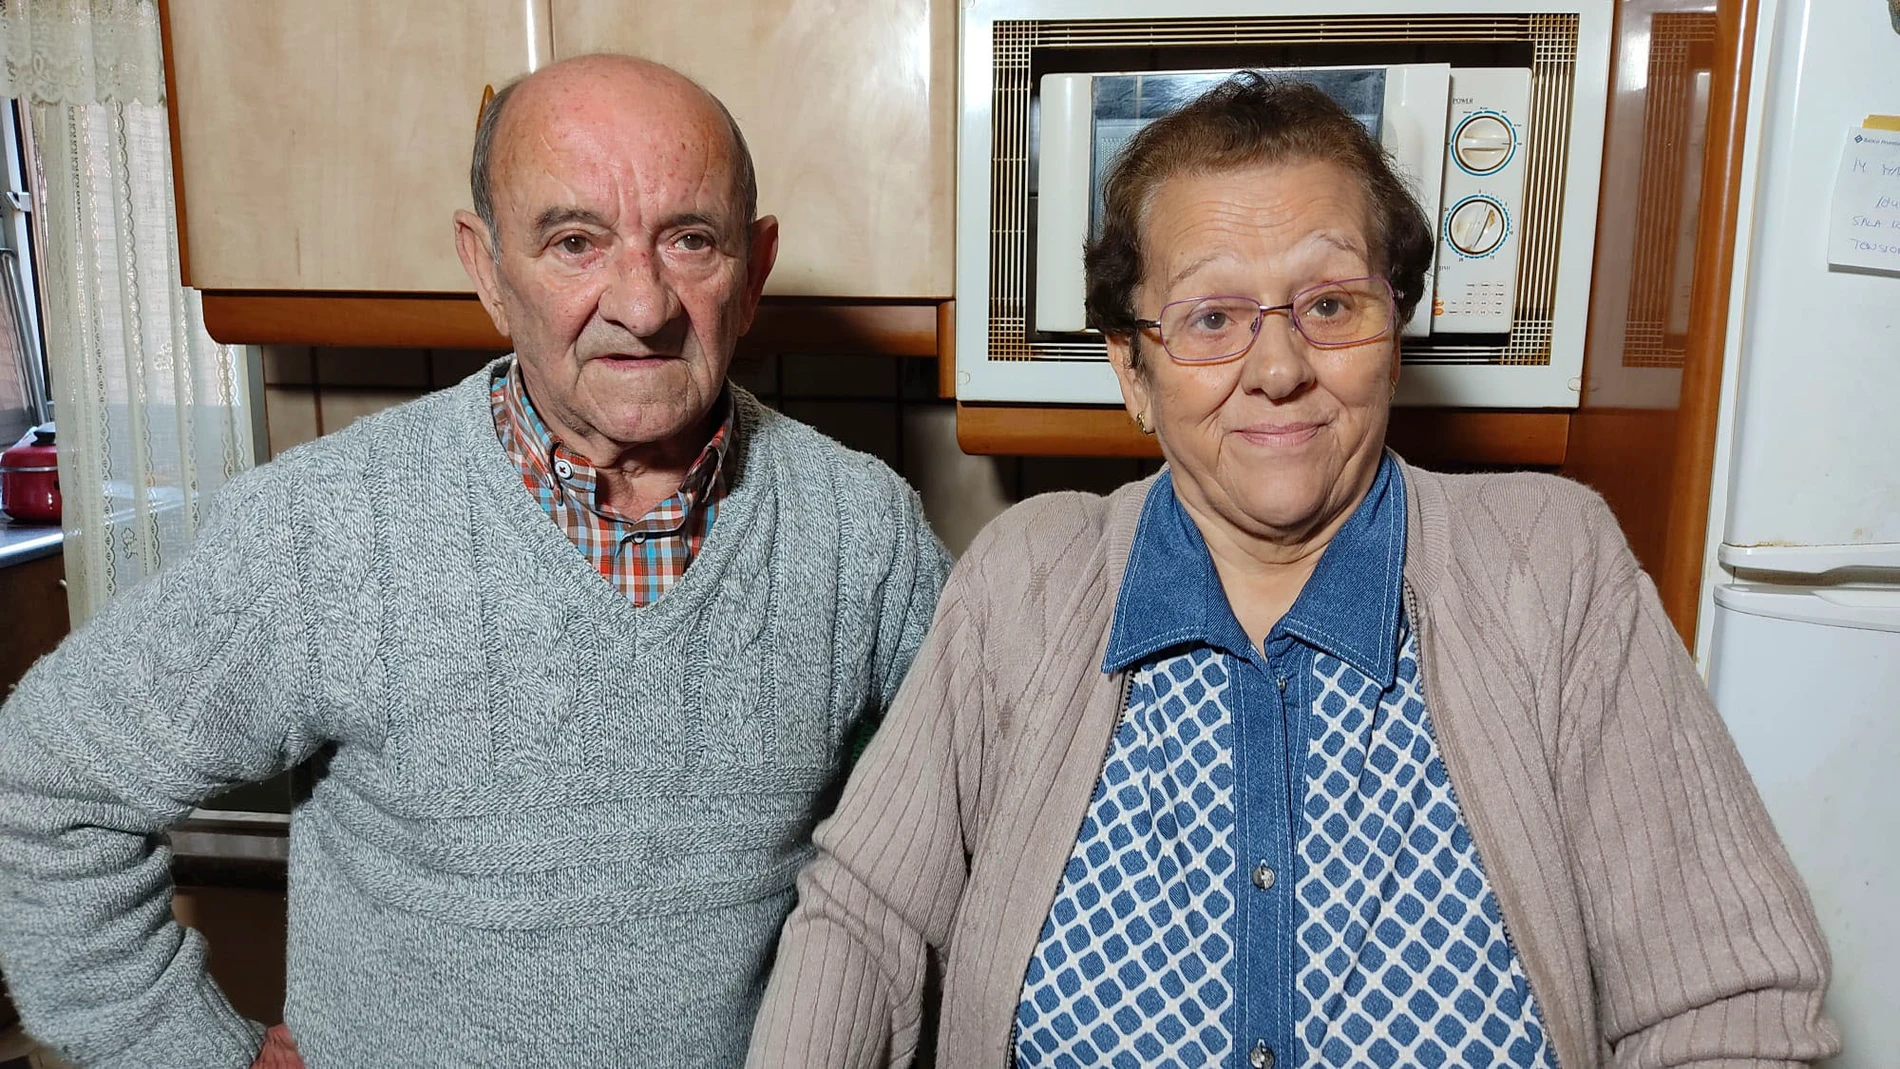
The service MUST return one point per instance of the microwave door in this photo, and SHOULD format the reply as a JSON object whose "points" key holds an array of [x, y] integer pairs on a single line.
{"points": [[1085, 118], [1417, 110]]}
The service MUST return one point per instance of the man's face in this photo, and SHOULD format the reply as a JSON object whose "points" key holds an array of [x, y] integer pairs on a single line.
{"points": [[626, 272]]}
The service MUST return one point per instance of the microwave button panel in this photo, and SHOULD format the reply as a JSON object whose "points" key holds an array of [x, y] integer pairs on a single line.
{"points": [[1482, 201]]}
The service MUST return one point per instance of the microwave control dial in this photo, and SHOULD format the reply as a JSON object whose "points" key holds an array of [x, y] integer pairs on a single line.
{"points": [[1483, 143], [1476, 226]]}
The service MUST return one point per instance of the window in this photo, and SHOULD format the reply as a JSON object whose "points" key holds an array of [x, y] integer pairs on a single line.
{"points": [[24, 397]]}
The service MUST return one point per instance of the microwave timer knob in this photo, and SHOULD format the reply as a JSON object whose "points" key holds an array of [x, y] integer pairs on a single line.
{"points": [[1476, 226], [1483, 143]]}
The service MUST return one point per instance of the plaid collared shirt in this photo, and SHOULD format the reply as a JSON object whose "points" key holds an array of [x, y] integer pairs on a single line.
{"points": [[641, 556]]}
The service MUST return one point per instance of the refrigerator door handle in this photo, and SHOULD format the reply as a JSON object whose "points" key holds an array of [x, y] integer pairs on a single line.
{"points": [[1809, 560], [1868, 609]]}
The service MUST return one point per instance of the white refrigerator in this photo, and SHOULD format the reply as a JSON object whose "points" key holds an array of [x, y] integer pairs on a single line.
{"points": [[1800, 625]]}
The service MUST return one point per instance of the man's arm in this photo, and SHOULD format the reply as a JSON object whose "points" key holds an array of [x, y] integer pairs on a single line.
{"points": [[918, 570], [848, 987], [194, 681], [1702, 937]]}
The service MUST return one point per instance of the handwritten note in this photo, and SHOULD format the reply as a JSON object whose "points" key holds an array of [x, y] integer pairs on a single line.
{"points": [[1864, 220]]}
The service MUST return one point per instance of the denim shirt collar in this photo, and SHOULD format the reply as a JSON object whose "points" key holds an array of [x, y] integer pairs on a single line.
{"points": [[1171, 595]]}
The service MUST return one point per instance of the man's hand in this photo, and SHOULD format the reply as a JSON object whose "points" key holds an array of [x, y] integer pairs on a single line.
{"points": [[280, 1051]]}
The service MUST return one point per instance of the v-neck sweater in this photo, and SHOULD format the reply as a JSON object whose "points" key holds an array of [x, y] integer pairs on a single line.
{"points": [[551, 827], [1656, 914]]}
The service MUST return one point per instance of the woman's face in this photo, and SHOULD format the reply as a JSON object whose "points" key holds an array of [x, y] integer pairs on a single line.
{"points": [[1282, 442]]}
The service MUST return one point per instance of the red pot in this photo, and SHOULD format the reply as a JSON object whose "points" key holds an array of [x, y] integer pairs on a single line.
{"points": [[29, 478]]}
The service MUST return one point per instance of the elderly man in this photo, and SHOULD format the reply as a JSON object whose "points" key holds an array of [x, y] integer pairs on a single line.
{"points": [[585, 638]]}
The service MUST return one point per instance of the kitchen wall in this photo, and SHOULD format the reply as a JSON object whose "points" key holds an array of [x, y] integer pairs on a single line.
{"points": [[885, 406]]}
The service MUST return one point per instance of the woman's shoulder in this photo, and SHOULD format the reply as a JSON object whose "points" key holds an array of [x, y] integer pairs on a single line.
{"points": [[1539, 522], [1517, 497], [1055, 542], [1042, 577], [1065, 525]]}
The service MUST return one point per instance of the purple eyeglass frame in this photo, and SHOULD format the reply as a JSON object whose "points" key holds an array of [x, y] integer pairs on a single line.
{"points": [[1264, 310]]}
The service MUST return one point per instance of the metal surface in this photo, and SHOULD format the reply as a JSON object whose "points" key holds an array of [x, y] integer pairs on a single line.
{"points": [[20, 542], [25, 339]]}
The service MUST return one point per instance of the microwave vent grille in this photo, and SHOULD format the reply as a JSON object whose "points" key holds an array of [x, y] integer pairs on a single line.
{"points": [[1553, 41]]}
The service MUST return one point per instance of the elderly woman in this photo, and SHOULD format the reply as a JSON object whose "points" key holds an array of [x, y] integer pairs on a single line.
{"points": [[1294, 754]]}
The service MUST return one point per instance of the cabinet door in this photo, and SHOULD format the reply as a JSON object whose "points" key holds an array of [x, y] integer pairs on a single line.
{"points": [[324, 146], [34, 593], [849, 107]]}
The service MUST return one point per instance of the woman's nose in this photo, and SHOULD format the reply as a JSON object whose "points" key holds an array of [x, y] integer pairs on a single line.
{"points": [[1277, 364]]}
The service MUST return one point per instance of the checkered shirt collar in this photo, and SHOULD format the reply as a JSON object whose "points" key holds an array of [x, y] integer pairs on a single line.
{"points": [[550, 462]]}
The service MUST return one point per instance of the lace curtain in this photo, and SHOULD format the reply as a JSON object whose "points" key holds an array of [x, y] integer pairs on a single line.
{"points": [[153, 415]]}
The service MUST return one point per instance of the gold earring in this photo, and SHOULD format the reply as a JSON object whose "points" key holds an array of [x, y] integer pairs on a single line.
{"points": [[1142, 425]]}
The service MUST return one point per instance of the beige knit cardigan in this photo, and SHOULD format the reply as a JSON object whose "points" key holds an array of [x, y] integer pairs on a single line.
{"points": [[1656, 913]]}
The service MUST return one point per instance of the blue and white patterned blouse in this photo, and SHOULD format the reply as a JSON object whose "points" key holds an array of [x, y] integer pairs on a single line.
{"points": [[1274, 868]]}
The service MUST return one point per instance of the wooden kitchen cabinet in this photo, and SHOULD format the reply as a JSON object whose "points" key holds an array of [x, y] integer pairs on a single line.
{"points": [[34, 594], [324, 146], [849, 107]]}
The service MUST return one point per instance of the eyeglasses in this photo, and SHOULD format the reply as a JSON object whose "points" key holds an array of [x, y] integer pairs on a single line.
{"points": [[1331, 315]]}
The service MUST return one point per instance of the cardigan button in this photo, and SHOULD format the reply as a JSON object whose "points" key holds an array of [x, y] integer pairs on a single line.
{"points": [[1263, 876], [1261, 1056]]}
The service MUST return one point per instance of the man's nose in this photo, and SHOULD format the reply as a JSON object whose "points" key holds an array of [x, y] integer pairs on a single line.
{"points": [[638, 296]]}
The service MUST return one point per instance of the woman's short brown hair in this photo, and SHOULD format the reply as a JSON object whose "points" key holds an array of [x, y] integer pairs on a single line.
{"points": [[1244, 121]]}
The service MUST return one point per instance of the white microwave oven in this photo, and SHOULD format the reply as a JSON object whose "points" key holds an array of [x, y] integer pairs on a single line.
{"points": [[1493, 111]]}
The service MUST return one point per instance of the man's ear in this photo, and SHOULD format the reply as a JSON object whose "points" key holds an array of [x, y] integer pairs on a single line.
{"points": [[761, 254], [475, 245]]}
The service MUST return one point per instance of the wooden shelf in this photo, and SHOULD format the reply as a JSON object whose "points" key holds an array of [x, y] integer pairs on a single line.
{"points": [[1480, 437], [457, 321], [377, 320], [1473, 437], [1039, 431]]}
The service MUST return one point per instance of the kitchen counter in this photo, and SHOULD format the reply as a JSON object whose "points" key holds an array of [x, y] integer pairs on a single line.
{"points": [[20, 542]]}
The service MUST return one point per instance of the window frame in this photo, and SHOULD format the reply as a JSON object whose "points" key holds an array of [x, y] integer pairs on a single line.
{"points": [[19, 202]]}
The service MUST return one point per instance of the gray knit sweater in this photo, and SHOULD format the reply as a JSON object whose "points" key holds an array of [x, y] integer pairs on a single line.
{"points": [[555, 829]]}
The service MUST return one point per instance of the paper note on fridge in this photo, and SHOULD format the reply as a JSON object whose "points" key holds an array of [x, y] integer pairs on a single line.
{"points": [[1864, 218]]}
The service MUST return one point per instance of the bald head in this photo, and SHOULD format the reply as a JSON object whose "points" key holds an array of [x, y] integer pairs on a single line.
{"points": [[650, 87], [617, 251]]}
